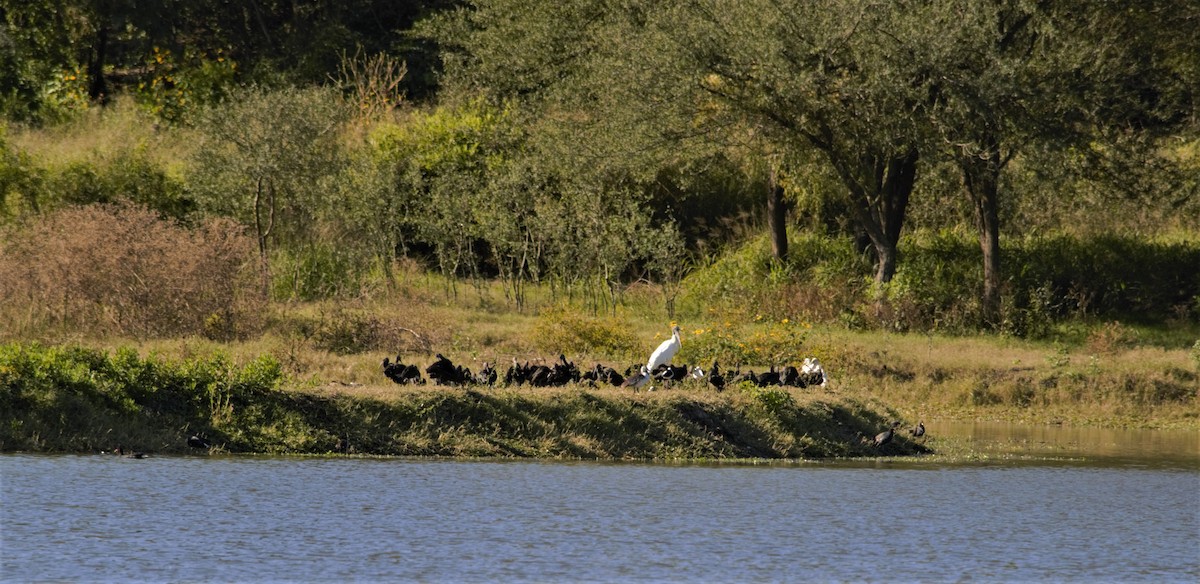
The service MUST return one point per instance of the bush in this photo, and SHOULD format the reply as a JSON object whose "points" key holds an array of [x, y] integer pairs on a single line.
{"points": [[126, 176], [76, 398], [123, 270], [766, 343], [564, 332], [939, 278]]}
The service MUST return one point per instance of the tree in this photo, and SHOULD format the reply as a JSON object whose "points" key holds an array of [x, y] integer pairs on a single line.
{"points": [[263, 159], [1006, 75], [656, 82]]}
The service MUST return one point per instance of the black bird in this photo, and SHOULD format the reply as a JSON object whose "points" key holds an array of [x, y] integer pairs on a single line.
{"points": [[563, 372], [198, 441], [611, 375], [715, 378], [770, 377], [886, 436], [540, 376], [443, 371], [516, 374], [919, 431], [791, 377], [750, 376], [120, 451], [401, 373], [668, 374]]}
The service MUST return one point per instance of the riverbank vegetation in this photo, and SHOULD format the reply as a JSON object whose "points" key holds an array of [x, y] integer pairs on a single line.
{"points": [[969, 210], [82, 400]]}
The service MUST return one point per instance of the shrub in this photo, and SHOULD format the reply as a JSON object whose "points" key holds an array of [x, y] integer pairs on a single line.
{"points": [[123, 270], [767, 343], [20, 181], [347, 333], [560, 331], [1111, 338], [125, 176]]}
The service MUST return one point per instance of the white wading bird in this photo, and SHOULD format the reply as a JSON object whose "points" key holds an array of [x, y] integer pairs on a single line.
{"points": [[663, 354]]}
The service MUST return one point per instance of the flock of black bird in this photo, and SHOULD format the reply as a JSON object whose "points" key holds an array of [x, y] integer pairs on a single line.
{"points": [[443, 371]]}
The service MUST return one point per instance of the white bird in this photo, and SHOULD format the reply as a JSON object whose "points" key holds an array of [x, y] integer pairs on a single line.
{"points": [[663, 354], [812, 368], [637, 380]]}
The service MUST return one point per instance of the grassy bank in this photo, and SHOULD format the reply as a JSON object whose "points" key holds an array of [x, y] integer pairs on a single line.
{"points": [[70, 399], [311, 381]]}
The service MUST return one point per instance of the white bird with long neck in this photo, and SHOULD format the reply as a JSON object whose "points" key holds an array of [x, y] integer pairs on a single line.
{"points": [[663, 354]]}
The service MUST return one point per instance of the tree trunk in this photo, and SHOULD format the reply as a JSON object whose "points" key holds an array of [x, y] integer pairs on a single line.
{"points": [[776, 215], [263, 227], [97, 87], [879, 187], [981, 175]]}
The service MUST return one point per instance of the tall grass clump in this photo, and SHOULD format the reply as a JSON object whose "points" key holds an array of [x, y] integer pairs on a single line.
{"points": [[122, 270], [761, 342]]}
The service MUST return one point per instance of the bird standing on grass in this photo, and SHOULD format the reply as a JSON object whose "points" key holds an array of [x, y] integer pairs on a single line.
{"points": [[918, 431], [665, 351], [715, 378], [886, 436], [638, 379]]}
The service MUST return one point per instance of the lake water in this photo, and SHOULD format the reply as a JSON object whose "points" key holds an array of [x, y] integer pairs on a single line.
{"points": [[1126, 511]]}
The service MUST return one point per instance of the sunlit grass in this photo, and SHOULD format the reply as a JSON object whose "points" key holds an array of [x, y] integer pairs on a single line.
{"points": [[99, 133]]}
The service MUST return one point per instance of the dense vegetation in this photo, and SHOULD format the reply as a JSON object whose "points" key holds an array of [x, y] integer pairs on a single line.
{"points": [[590, 145], [302, 174]]}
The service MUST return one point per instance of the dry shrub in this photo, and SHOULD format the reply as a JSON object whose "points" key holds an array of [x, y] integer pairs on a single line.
{"points": [[122, 270], [1110, 338]]}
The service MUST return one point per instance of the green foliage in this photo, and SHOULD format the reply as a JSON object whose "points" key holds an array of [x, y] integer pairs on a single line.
{"points": [[1111, 276], [443, 161], [176, 86], [41, 68], [1054, 278], [765, 342], [774, 400], [267, 159], [321, 269], [21, 190], [73, 396], [347, 333], [129, 175]]}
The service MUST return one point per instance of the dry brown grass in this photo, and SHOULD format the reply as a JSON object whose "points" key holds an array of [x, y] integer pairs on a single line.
{"points": [[933, 377], [118, 270]]}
